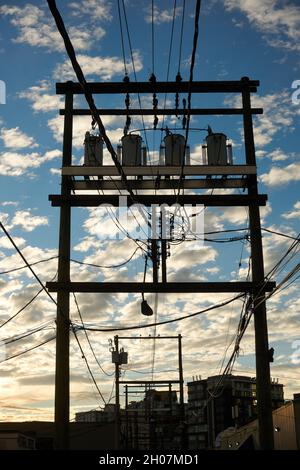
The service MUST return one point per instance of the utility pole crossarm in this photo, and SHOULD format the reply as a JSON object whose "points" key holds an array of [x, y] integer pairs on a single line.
{"points": [[160, 287]]}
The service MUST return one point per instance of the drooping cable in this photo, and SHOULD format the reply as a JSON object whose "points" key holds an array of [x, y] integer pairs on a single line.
{"points": [[181, 37], [88, 95], [169, 58], [113, 266], [165, 322], [122, 38], [87, 365], [28, 350], [25, 306], [26, 334], [189, 99], [25, 266], [26, 262], [135, 76], [88, 339], [152, 37]]}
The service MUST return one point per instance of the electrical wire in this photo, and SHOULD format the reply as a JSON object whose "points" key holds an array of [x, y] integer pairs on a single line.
{"points": [[181, 37], [87, 365], [245, 319], [26, 262], [279, 233], [88, 96], [113, 266], [122, 38], [31, 332], [31, 264], [21, 309], [28, 350], [54, 301], [135, 78], [152, 37], [169, 58], [88, 339], [191, 77], [174, 320]]}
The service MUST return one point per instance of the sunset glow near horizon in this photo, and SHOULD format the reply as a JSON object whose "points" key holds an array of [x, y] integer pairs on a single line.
{"points": [[259, 39]]}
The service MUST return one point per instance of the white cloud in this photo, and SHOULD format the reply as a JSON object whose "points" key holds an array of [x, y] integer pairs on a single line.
{"points": [[161, 16], [80, 125], [97, 10], [103, 68], [9, 203], [278, 176], [278, 155], [55, 171], [27, 221], [294, 214], [18, 164], [40, 97], [278, 21], [278, 116], [5, 243], [14, 138], [38, 29]]}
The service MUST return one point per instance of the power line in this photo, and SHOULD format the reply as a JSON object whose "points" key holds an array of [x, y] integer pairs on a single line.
{"points": [[106, 267], [25, 306], [135, 327], [181, 37], [152, 35], [26, 262], [87, 365], [169, 60], [88, 96], [21, 336], [122, 38], [21, 309], [135, 76], [28, 350], [279, 233], [31, 264], [193, 57], [245, 320], [88, 339]]}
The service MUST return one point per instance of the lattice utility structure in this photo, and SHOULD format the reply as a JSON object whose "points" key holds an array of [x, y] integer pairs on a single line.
{"points": [[235, 176], [140, 424]]}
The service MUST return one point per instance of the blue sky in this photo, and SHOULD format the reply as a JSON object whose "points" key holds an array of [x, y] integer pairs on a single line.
{"points": [[255, 38]]}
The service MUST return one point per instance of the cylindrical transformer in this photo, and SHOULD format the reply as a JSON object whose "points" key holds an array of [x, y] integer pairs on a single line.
{"points": [[204, 155], [162, 152], [144, 156], [174, 154], [93, 150], [216, 149], [119, 153], [131, 150], [187, 155], [229, 154]]}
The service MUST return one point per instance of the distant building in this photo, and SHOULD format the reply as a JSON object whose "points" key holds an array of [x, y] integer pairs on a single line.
{"points": [[14, 440], [214, 406], [97, 416], [41, 434], [286, 428], [153, 423]]}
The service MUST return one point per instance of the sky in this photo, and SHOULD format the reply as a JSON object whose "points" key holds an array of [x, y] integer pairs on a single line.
{"points": [[255, 38]]}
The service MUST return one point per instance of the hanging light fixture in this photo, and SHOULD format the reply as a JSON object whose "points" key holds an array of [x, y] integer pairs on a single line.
{"points": [[145, 308]]}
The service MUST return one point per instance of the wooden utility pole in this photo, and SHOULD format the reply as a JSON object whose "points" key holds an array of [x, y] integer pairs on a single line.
{"points": [[154, 257], [192, 177], [117, 402], [163, 244], [263, 379], [62, 374]]}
